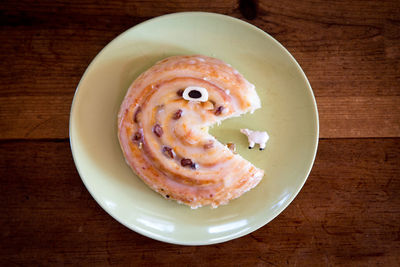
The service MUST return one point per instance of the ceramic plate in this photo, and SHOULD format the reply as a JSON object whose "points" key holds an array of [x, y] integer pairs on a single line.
{"points": [[288, 114]]}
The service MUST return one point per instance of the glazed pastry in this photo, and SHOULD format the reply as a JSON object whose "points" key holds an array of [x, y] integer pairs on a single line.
{"points": [[163, 130]]}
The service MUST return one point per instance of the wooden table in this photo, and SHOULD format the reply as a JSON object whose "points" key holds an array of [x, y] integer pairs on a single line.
{"points": [[348, 212]]}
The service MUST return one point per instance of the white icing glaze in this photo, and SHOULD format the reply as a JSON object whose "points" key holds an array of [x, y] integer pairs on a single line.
{"points": [[186, 135], [256, 137]]}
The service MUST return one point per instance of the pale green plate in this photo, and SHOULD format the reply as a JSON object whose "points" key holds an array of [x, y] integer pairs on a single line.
{"points": [[288, 113]]}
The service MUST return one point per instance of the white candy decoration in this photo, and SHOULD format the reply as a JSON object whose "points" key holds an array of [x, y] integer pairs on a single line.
{"points": [[195, 93], [255, 137]]}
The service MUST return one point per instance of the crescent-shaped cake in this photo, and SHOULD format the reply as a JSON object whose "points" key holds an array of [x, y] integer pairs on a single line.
{"points": [[164, 134]]}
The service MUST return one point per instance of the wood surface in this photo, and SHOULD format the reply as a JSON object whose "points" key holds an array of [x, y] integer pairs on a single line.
{"points": [[343, 215], [348, 212]]}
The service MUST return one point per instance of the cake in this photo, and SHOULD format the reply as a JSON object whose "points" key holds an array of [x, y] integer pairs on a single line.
{"points": [[163, 130]]}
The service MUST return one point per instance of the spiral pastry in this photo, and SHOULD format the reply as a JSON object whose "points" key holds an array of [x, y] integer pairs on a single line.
{"points": [[163, 130]]}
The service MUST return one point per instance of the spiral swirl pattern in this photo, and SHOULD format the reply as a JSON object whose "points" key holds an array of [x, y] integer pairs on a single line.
{"points": [[165, 138]]}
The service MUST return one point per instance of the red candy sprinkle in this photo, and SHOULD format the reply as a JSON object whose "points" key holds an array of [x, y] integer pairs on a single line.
{"points": [[177, 114], [219, 110], [186, 162], [168, 152], [158, 130]]}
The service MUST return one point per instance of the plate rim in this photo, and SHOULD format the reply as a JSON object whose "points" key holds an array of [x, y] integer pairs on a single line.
{"points": [[257, 225]]}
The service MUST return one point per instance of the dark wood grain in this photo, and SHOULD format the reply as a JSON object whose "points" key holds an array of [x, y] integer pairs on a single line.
{"points": [[348, 211], [351, 58], [350, 117], [352, 49]]}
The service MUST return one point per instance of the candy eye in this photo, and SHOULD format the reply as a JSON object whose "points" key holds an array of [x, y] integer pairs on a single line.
{"points": [[194, 93]]}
